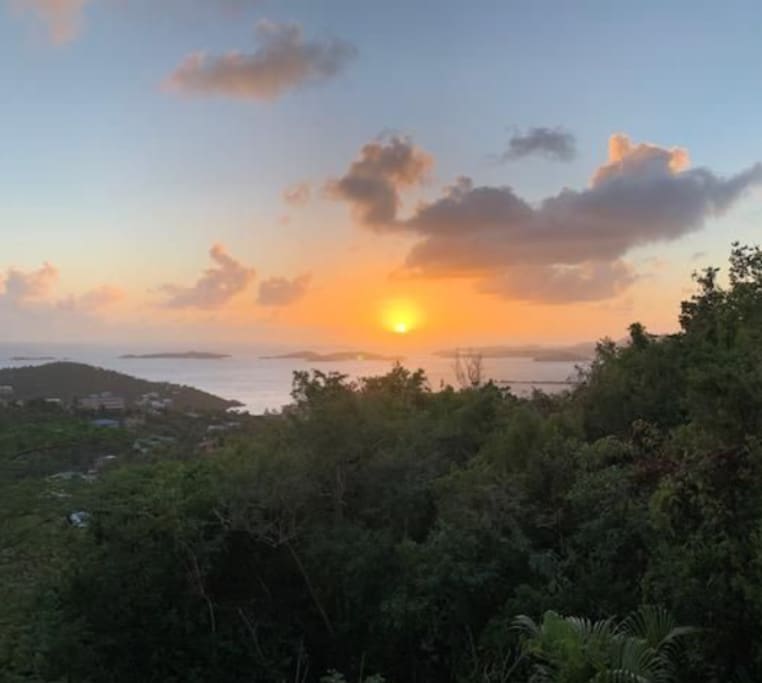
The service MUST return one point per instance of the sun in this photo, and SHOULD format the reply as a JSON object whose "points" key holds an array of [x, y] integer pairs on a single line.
{"points": [[400, 316]]}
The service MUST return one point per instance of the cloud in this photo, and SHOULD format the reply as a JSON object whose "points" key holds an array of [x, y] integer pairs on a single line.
{"points": [[22, 287], [641, 160], [297, 195], [216, 286], [555, 144], [373, 182], [284, 61], [280, 291], [63, 18], [93, 300], [643, 194], [36, 289], [591, 281]]}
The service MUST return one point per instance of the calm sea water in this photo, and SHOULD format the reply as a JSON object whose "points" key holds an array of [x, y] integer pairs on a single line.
{"points": [[266, 384]]}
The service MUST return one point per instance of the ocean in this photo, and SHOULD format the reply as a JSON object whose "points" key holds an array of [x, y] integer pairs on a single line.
{"points": [[262, 384]]}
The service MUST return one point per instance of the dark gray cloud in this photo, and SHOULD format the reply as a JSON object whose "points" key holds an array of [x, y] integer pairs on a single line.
{"points": [[476, 228], [280, 291], [643, 195], [284, 61], [216, 286], [373, 182], [556, 144]]}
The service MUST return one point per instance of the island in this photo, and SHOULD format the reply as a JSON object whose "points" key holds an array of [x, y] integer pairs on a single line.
{"points": [[335, 357], [181, 355], [32, 358], [69, 383], [576, 353]]}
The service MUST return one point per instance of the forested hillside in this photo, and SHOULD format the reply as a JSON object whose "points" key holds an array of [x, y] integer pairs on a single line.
{"points": [[384, 532]]}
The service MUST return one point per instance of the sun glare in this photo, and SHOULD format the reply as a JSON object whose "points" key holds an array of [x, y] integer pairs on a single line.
{"points": [[400, 317]]}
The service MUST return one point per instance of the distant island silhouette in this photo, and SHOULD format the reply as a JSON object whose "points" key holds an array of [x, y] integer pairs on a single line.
{"points": [[335, 357], [32, 358], [188, 355], [540, 354]]}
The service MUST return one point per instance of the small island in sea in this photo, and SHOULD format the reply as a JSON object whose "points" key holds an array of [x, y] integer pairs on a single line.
{"points": [[187, 355], [335, 357], [33, 358], [541, 354]]}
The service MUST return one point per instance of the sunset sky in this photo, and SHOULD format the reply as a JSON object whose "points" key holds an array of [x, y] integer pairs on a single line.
{"points": [[338, 172]]}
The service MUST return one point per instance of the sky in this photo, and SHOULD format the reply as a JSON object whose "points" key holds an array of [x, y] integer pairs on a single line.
{"points": [[391, 174]]}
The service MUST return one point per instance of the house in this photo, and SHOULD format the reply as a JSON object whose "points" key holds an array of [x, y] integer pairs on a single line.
{"points": [[79, 519], [134, 422], [153, 402], [149, 443], [207, 446], [6, 393], [70, 475], [104, 461], [105, 423], [103, 401], [226, 427]]}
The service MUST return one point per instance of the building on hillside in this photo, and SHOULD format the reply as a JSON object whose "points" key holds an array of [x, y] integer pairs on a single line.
{"points": [[104, 461], [153, 402], [226, 427], [106, 423], [103, 401], [151, 443], [6, 394], [134, 422], [79, 519]]}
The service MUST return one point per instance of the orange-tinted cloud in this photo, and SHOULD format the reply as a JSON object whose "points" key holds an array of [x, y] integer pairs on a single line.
{"points": [[374, 181], [93, 300], [22, 287], [35, 289], [298, 194], [284, 61], [63, 18], [643, 159], [217, 285], [280, 291]]}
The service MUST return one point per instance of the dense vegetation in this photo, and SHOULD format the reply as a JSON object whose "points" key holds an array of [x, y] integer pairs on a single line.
{"points": [[70, 381], [381, 531]]}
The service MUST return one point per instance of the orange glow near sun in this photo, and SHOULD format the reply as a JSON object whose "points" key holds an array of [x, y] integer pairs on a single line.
{"points": [[400, 317]]}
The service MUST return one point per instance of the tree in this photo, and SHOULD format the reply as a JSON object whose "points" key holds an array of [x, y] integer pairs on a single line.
{"points": [[643, 648]]}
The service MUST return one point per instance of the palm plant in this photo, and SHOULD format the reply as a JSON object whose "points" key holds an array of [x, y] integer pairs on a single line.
{"points": [[642, 648]]}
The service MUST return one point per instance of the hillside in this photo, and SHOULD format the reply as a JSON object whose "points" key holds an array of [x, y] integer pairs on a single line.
{"points": [[68, 381]]}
